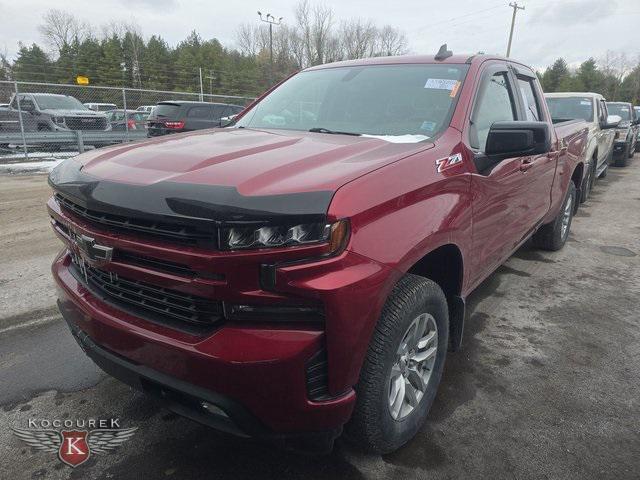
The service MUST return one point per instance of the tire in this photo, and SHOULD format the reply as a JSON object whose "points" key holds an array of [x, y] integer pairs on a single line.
{"points": [[623, 161], [373, 427], [553, 236], [587, 183], [632, 149]]}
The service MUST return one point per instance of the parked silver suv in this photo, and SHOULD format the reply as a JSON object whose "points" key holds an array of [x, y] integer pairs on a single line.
{"points": [[51, 112]]}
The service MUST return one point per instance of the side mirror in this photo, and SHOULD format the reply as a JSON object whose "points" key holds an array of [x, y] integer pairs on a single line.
{"points": [[226, 121], [27, 107], [518, 139], [612, 122]]}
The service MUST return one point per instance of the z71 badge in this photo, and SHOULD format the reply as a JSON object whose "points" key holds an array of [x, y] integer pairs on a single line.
{"points": [[451, 161]]}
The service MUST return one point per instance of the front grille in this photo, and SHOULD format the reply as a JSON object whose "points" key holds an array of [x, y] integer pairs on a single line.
{"points": [[86, 123], [175, 232], [149, 301]]}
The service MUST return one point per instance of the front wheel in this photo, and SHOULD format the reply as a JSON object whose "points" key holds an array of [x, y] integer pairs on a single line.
{"points": [[553, 236], [403, 367]]}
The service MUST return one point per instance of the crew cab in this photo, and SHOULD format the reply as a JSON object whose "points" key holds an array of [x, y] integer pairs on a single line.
{"points": [[50, 112], [305, 270], [624, 143], [592, 108]]}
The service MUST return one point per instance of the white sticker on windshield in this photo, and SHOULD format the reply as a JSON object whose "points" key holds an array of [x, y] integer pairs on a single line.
{"points": [[441, 84], [585, 102]]}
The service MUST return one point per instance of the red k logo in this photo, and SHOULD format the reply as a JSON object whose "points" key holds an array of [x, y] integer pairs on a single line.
{"points": [[74, 448]]}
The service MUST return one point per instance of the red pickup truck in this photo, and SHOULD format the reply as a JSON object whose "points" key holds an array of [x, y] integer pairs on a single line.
{"points": [[305, 270]]}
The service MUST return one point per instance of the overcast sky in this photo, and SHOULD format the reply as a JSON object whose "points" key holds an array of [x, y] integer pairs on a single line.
{"points": [[545, 30]]}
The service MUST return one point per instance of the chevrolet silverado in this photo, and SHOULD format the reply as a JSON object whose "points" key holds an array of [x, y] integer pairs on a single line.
{"points": [[304, 271]]}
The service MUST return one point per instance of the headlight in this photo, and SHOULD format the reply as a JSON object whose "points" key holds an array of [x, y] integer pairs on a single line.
{"points": [[273, 236]]}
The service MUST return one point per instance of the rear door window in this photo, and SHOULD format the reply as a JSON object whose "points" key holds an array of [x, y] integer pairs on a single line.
{"points": [[218, 111], [199, 112], [531, 106]]}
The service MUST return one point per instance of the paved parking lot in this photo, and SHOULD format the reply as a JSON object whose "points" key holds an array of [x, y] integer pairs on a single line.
{"points": [[545, 387]]}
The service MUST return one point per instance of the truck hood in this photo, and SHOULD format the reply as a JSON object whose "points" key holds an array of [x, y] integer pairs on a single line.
{"points": [[73, 113], [225, 174]]}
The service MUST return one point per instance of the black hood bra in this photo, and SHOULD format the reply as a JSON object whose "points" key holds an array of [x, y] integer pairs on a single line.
{"points": [[186, 202]]}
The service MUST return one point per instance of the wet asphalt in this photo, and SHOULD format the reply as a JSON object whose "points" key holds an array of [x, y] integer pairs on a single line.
{"points": [[546, 385]]}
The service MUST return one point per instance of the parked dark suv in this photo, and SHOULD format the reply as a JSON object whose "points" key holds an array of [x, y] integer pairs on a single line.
{"points": [[182, 116], [624, 144]]}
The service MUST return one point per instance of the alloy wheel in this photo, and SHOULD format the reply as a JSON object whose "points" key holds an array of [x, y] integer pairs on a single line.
{"points": [[413, 366]]}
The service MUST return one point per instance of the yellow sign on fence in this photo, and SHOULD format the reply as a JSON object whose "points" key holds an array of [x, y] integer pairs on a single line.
{"points": [[81, 80]]}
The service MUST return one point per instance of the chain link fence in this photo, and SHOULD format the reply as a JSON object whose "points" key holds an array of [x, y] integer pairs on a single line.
{"points": [[48, 122]]}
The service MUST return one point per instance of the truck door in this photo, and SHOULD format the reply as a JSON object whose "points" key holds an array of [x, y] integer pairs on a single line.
{"points": [[510, 198], [539, 170], [605, 137]]}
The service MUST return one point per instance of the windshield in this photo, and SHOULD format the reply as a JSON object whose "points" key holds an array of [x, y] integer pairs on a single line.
{"points": [[54, 102], [620, 109], [375, 100], [570, 108]]}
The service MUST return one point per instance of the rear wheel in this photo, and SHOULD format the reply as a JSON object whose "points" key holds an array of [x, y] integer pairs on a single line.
{"points": [[553, 236], [403, 367]]}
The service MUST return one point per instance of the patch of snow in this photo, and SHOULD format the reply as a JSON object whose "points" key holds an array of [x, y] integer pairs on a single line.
{"points": [[29, 167]]}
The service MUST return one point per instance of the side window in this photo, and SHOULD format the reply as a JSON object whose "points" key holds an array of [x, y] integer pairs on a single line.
{"points": [[199, 112], [602, 110], [27, 105], [217, 111], [495, 104], [531, 107]]}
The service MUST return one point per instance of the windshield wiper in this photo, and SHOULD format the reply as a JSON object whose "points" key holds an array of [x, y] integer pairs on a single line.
{"points": [[332, 132]]}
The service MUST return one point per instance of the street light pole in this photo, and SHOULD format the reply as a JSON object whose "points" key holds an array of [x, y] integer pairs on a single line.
{"points": [[271, 20]]}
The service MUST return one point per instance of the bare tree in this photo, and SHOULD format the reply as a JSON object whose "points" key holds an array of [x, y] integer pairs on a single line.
{"points": [[322, 44], [246, 39], [60, 29], [391, 41], [357, 38]]}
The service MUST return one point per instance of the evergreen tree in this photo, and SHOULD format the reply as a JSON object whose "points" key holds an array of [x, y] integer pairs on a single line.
{"points": [[33, 64], [589, 75], [110, 68], [554, 75]]}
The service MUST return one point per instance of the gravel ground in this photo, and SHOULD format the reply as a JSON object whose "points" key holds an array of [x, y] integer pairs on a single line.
{"points": [[545, 387], [27, 247]]}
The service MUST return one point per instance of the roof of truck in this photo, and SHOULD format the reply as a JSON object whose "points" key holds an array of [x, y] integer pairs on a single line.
{"points": [[416, 59], [574, 94]]}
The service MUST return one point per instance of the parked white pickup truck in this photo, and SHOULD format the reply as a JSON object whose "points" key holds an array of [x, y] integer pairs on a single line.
{"points": [[592, 108]]}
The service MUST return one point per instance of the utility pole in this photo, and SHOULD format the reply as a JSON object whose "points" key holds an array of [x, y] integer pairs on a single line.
{"points": [[211, 78], [201, 91], [271, 20], [515, 7]]}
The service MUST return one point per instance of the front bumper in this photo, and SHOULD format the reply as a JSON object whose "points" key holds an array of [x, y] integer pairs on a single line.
{"points": [[255, 375]]}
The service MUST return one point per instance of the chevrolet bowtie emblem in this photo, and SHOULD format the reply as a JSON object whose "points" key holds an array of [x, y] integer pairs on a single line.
{"points": [[90, 250]]}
